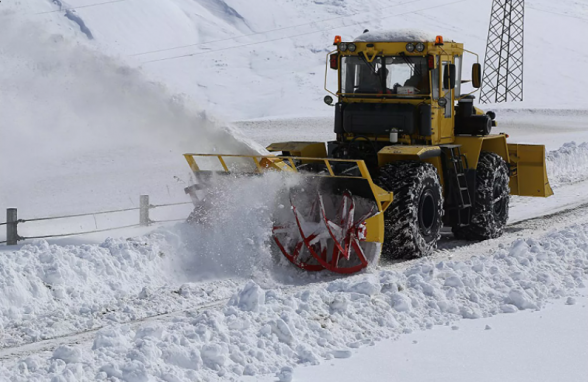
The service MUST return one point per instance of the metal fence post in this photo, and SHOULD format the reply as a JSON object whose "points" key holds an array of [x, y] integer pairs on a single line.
{"points": [[144, 210], [11, 226]]}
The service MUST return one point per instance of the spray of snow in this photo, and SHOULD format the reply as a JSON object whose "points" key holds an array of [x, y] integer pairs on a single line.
{"points": [[61, 95], [61, 100], [232, 237]]}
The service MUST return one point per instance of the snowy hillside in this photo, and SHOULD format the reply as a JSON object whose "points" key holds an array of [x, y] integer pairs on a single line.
{"points": [[244, 59]]}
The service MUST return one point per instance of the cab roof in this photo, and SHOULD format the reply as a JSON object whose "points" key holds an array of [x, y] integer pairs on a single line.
{"points": [[397, 35]]}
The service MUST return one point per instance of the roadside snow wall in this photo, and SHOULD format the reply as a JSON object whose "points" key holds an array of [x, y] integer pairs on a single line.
{"points": [[266, 331], [568, 164]]}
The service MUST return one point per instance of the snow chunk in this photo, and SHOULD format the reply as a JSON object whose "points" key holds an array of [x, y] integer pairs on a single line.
{"points": [[365, 287], [285, 374], [305, 354], [282, 331], [400, 303], [213, 356], [344, 353], [67, 353], [251, 297], [398, 35], [571, 301], [520, 299]]}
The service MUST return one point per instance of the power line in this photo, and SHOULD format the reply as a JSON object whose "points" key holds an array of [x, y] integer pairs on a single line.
{"points": [[80, 7], [557, 13], [298, 35], [273, 30]]}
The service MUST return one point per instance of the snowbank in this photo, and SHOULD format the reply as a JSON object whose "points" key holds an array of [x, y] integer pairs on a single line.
{"points": [[568, 164], [48, 290], [399, 35], [261, 332]]}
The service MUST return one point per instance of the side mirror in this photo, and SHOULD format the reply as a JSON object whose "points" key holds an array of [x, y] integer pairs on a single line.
{"points": [[477, 76], [449, 77]]}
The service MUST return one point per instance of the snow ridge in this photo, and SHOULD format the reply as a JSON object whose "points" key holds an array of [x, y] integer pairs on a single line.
{"points": [[261, 332], [568, 164]]}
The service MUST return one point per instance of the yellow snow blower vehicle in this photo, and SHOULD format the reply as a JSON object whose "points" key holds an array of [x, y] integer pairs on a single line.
{"points": [[411, 155]]}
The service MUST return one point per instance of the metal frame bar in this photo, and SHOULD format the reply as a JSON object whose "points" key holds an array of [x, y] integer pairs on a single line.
{"points": [[383, 197]]}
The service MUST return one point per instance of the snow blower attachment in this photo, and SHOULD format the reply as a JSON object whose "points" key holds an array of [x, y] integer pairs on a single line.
{"points": [[404, 127], [339, 227]]}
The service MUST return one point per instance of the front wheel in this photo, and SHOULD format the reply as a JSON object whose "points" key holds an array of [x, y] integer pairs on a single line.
{"points": [[414, 220], [490, 210]]}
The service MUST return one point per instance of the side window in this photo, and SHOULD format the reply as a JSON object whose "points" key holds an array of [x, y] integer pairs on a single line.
{"points": [[446, 92], [457, 76]]}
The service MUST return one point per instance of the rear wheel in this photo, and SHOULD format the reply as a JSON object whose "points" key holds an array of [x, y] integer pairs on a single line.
{"points": [[414, 220], [490, 212]]}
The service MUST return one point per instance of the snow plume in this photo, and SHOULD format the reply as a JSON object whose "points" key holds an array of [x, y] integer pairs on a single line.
{"points": [[61, 97], [231, 234]]}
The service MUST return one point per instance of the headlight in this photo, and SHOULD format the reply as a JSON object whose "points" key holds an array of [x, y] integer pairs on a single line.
{"points": [[410, 47], [351, 47], [342, 46], [420, 47]]}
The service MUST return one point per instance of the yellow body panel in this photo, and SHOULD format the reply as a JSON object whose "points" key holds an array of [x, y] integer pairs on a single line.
{"points": [[399, 152], [528, 171], [300, 149], [471, 147], [527, 162]]}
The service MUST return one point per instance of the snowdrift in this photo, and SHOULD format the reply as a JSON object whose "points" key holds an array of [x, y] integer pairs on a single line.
{"points": [[269, 331], [568, 164]]}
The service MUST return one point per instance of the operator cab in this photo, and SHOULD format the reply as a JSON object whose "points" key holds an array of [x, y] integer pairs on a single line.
{"points": [[399, 87]]}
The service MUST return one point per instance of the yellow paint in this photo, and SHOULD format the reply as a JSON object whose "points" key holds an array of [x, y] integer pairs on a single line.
{"points": [[300, 149], [402, 152], [528, 171], [471, 147]]}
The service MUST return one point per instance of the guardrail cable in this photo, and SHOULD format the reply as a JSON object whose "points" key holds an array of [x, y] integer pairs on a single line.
{"points": [[79, 233]]}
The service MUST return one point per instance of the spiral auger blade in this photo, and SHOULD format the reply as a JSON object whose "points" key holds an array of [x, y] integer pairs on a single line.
{"points": [[320, 241], [294, 245]]}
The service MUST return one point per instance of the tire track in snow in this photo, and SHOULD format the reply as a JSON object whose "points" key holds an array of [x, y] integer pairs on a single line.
{"points": [[50, 344]]}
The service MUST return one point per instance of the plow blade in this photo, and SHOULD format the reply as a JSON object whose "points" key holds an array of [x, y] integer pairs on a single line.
{"points": [[335, 218], [528, 170]]}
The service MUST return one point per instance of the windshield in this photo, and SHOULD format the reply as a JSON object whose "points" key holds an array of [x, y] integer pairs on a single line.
{"points": [[400, 75]]}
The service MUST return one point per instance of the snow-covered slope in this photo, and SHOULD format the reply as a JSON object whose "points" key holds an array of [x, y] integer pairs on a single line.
{"points": [[247, 59]]}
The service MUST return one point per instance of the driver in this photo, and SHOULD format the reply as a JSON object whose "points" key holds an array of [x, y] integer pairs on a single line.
{"points": [[418, 80], [372, 82]]}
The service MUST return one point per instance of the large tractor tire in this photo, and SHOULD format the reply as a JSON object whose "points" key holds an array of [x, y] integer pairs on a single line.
{"points": [[490, 210], [414, 220]]}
